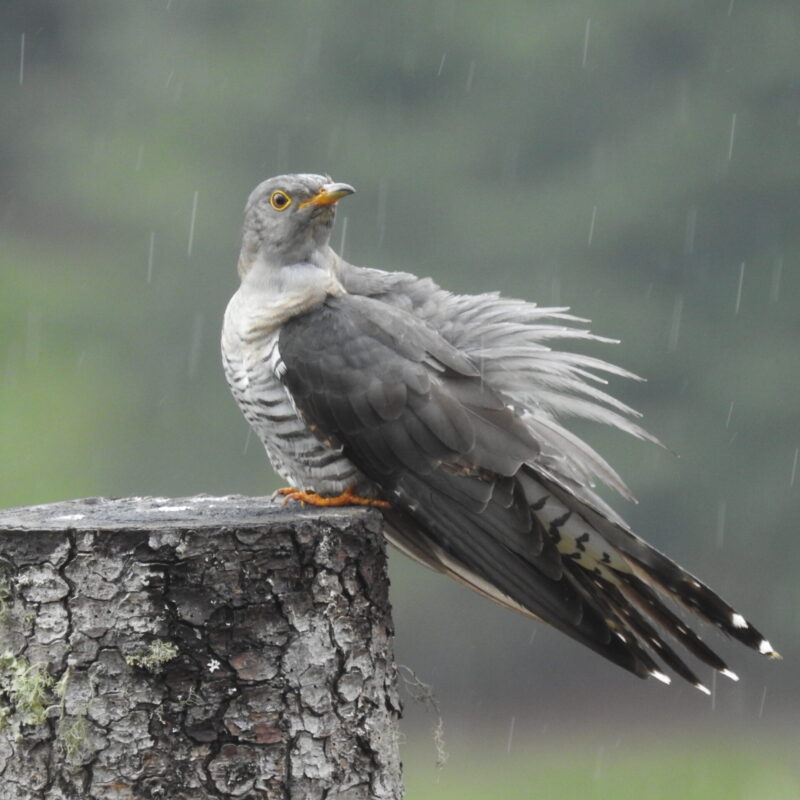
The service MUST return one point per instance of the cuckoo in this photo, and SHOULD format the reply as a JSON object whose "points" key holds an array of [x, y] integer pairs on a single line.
{"points": [[445, 411]]}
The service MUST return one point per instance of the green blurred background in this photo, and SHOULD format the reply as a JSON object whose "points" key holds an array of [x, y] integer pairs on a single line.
{"points": [[637, 161]]}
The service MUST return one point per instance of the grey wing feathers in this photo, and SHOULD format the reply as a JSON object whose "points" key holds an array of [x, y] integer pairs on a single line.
{"points": [[445, 450], [511, 341]]}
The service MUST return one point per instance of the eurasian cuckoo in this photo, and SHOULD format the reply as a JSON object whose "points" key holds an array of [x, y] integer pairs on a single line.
{"points": [[445, 411]]}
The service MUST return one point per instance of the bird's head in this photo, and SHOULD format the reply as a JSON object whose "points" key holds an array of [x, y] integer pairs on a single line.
{"points": [[288, 218]]}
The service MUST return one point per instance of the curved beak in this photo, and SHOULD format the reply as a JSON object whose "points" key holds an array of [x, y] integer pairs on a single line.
{"points": [[328, 195]]}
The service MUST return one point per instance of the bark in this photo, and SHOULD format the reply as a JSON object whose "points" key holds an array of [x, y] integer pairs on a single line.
{"points": [[195, 648]]}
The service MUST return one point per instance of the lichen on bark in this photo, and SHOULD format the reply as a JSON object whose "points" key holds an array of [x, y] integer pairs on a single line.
{"points": [[195, 648]]}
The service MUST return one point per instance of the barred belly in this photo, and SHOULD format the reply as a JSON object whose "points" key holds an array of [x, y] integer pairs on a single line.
{"points": [[301, 458]]}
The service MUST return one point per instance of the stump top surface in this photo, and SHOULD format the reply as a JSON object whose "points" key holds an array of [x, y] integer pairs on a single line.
{"points": [[163, 513]]}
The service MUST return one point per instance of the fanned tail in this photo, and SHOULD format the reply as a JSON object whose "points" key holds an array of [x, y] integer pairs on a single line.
{"points": [[629, 581]]}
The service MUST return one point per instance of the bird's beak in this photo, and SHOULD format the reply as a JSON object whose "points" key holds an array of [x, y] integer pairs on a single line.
{"points": [[328, 195]]}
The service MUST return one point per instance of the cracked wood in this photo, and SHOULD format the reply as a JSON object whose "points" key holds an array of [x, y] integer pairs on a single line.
{"points": [[195, 648]]}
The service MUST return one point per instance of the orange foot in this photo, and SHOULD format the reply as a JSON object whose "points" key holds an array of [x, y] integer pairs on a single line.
{"points": [[346, 498]]}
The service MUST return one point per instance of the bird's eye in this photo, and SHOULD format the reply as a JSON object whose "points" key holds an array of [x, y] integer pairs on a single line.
{"points": [[280, 200]]}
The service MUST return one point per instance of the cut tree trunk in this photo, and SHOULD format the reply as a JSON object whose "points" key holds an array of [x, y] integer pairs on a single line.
{"points": [[196, 648]]}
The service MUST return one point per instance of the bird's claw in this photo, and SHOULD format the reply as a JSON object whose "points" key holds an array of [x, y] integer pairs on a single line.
{"points": [[346, 498]]}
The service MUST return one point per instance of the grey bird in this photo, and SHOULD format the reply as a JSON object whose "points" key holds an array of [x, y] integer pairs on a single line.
{"points": [[445, 412]]}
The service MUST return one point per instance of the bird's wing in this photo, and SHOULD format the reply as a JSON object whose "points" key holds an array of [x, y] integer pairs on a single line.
{"points": [[513, 340], [415, 416]]}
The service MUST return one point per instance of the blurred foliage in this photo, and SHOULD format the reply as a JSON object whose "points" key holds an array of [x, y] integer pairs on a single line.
{"points": [[639, 772], [636, 161]]}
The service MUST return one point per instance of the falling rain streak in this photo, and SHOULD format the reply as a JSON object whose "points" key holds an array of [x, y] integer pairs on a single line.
{"points": [[33, 337], [691, 226], [191, 224], [380, 210], [470, 76], [511, 734], [21, 58], [441, 65], [722, 511], [247, 440], [713, 690], [733, 133], [591, 226], [675, 324], [775, 288], [343, 237], [195, 345], [794, 467], [150, 256], [586, 41], [739, 290], [730, 414], [598, 761]]}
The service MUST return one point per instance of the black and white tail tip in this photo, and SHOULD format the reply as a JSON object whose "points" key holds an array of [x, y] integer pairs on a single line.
{"points": [[764, 647]]}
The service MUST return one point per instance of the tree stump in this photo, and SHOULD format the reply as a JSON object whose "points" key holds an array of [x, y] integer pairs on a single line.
{"points": [[195, 648]]}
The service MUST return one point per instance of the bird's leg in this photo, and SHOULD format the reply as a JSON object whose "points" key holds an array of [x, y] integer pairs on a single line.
{"points": [[346, 498]]}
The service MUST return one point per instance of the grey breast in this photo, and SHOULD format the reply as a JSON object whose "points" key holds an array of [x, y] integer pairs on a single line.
{"points": [[307, 462]]}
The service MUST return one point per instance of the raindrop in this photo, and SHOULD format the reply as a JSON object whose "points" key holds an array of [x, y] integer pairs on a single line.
{"points": [[441, 65], [343, 238], [598, 761], [169, 79], [380, 213], [733, 133], [33, 337], [511, 734], [510, 161], [191, 224], [688, 236], [761, 704], [470, 76], [730, 7], [675, 324], [739, 290], [533, 635], [150, 256], [194, 347], [775, 288], [282, 160], [713, 690], [730, 413], [313, 45], [683, 102], [591, 226], [247, 440], [794, 467], [586, 41], [722, 510], [555, 290], [21, 58]]}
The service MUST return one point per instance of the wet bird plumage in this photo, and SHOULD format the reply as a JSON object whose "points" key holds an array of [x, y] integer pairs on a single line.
{"points": [[448, 406]]}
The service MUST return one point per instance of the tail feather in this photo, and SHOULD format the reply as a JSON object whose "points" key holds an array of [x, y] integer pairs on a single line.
{"points": [[617, 617], [656, 569], [653, 567], [641, 595]]}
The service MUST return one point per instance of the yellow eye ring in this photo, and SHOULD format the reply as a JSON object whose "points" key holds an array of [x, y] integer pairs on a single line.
{"points": [[279, 200]]}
